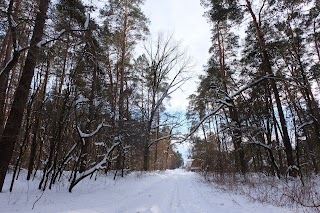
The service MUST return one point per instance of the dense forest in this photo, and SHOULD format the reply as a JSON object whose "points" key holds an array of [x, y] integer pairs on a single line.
{"points": [[76, 96], [256, 108]]}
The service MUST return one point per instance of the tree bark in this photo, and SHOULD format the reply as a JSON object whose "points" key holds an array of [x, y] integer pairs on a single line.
{"points": [[3, 86], [315, 36], [122, 66]]}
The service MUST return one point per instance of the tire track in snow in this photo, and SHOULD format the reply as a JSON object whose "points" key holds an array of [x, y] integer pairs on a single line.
{"points": [[154, 198]]}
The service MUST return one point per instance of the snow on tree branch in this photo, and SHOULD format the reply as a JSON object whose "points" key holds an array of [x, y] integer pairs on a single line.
{"points": [[251, 140], [86, 24], [99, 166], [160, 139], [224, 102], [89, 135], [304, 125]]}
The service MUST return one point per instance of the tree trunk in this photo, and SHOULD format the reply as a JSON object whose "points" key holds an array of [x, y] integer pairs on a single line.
{"points": [[122, 68], [146, 158], [6, 50], [3, 87], [85, 145], [38, 106], [12, 128], [23, 145], [236, 136], [315, 36], [309, 97]]}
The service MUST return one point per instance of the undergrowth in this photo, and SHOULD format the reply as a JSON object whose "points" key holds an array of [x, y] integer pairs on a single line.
{"points": [[302, 196]]}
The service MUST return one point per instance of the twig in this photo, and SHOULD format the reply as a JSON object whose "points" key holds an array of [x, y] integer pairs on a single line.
{"points": [[37, 199]]}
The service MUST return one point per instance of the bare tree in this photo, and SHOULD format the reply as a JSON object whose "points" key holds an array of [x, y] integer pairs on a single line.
{"points": [[166, 72]]}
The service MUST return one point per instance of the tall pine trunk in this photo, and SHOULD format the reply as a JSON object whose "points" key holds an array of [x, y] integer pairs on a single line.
{"points": [[236, 136]]}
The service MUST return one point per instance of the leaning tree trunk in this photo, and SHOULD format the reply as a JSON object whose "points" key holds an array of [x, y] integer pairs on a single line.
{"points": [[12, 128]]}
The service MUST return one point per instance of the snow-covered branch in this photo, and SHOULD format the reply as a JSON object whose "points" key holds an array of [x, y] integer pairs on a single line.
{"points": [[224, 102], [89, 135], [86, 24], [99, 166], [304, 125], [253, 141], [54, 38], [161, 138], [201, 122], [245, 87]]}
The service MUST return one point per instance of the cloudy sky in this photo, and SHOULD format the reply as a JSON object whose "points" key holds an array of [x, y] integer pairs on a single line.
{"points": [[184, 19]]}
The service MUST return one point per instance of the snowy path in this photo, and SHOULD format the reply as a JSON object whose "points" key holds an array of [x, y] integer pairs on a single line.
{"points": [[168, 192]]}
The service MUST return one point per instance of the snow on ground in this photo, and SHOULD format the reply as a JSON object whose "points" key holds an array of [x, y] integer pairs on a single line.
{"points": [[174, 191]]}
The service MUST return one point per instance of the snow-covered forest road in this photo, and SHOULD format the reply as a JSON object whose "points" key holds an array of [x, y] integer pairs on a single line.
{"points": [[166, 192]]}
